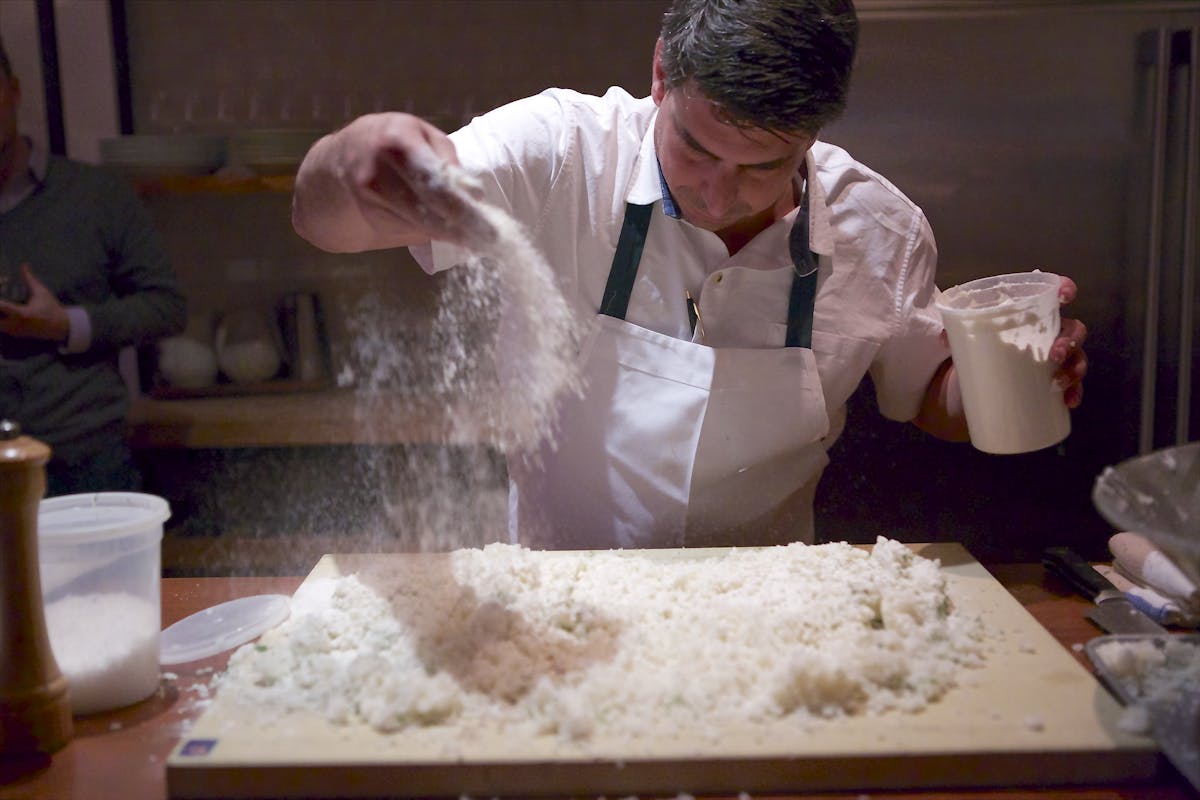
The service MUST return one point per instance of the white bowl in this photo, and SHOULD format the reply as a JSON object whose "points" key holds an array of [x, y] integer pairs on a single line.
{"points": [[187, 363]]}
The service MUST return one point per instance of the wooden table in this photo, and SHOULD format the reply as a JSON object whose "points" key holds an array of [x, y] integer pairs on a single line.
{"points": [[122, 755]]}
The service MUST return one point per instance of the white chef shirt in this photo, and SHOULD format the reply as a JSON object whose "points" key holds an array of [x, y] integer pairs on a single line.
{"points": [[565, 163]]}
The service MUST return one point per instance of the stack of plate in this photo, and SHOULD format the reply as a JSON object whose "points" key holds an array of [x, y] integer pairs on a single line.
{"points": [[153, 156], [271, 152]]}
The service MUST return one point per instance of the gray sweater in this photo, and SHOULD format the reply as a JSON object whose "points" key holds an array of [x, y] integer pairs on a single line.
{"points": [[91, 241]]}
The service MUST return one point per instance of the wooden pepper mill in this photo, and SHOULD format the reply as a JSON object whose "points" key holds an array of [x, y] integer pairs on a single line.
{"points": [[35, 710]]}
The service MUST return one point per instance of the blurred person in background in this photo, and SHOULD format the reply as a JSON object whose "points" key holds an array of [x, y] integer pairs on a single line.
{"points": [[83, 273]]}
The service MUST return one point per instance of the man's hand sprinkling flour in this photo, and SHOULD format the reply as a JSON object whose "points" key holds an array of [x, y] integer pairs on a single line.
{"points": [[505, 339], [383, 181]]}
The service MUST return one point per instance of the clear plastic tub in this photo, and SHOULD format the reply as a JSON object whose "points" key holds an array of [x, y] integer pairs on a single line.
{"points": [[1000, 331], [101, 569]]}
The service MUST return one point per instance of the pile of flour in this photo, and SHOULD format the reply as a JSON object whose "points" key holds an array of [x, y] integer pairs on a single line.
{"points": [[615, 643]]}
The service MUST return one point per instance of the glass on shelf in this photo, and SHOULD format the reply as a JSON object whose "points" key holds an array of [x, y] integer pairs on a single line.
{"points": [[242, 107]]}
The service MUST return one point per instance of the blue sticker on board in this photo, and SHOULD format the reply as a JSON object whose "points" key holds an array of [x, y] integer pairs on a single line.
{"points": [[197, 747]]}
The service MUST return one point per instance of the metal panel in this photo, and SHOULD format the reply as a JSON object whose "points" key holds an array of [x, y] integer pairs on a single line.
{"points": [[1023, 131]]}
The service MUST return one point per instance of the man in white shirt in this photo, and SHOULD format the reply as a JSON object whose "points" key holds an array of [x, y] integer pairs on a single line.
{"points": [[744, 275]]}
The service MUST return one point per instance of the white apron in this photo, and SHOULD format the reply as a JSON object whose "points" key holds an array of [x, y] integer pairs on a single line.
{"points": [[675, 443]]}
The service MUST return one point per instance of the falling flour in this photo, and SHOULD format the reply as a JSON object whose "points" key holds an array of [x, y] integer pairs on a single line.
{"points": [[480, 376], [611, 644], [106, 646], [506, 338]]}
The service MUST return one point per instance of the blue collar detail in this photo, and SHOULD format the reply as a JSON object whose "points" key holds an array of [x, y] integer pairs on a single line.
{"points": [[669, 207]]}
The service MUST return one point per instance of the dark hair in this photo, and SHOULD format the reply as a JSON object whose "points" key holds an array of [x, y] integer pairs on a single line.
{"points": [[780, 65]]}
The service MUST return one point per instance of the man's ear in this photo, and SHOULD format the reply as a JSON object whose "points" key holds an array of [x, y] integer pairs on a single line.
{"points": [[658, 78]]}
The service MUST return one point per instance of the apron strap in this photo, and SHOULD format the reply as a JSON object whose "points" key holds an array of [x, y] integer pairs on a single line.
{"points": [[636, 225], [803, 297], [625, 261]]}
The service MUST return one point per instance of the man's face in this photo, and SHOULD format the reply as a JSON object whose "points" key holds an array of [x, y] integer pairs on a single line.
{"points": [[721, 174]]}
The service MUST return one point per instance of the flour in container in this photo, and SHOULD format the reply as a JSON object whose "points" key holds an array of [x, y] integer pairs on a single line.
{"points": [[1155, 673], [612, 644], [106, 646]]}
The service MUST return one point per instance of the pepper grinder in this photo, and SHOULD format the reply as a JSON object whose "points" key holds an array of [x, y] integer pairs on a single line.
{"points": [[35, 710]]}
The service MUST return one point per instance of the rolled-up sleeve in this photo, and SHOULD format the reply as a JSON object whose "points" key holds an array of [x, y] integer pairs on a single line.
{"points": [[907, 360]]}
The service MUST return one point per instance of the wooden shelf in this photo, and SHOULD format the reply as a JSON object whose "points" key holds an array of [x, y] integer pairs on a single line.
{"points": [[274, 386], [215, 184], [285, 420]]}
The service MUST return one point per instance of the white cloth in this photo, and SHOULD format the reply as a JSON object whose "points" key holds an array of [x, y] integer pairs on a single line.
{"points": [[565, 164]]}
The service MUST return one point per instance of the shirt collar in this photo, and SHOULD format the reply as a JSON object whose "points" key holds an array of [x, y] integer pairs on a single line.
{"points": [[820, 228], [649, 186]]}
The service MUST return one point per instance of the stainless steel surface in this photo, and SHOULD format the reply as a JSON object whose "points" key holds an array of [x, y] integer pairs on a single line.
{"points": [[1173, 705], [1191, 249], [1159, 76], [1173, 416], [1115, 614], [1047, 162]]}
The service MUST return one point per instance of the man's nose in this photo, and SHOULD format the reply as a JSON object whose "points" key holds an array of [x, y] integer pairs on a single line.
{"points": [[720, 190]]}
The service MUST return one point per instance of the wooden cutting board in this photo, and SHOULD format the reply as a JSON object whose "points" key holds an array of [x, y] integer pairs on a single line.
{"points": [[1031, 716]]}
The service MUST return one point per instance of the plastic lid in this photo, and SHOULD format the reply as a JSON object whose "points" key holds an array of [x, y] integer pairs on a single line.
{"points": [[79, 518], [217, 629]]}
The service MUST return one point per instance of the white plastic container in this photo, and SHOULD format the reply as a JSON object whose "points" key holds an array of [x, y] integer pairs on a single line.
{"points": [[101, 569], [1000, 331]]}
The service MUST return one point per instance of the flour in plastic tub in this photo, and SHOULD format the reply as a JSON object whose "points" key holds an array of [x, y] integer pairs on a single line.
{"points": [[106, 645]]}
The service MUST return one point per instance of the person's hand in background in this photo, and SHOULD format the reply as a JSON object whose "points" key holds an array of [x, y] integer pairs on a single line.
{"points": [[41, 316]]}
